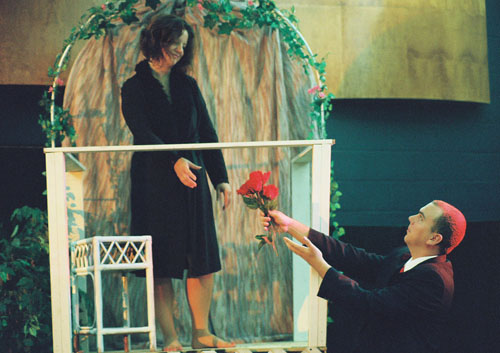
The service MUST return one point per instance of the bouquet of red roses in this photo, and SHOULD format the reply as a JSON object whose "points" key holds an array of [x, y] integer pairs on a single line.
{"points": [[257, 195]]}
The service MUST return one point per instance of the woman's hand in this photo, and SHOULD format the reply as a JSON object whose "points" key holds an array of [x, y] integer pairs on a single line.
{"points": [[225, 189], [183, 168]]}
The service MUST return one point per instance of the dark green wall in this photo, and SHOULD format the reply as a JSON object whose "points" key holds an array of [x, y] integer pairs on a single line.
{"points": [[394, 156]]}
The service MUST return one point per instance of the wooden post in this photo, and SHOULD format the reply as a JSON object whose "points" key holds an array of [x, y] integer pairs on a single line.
{"points": [[59, 255], [320, 220]]}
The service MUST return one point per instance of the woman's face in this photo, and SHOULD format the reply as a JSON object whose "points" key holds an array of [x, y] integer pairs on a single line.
{"points": [[174, 52]]}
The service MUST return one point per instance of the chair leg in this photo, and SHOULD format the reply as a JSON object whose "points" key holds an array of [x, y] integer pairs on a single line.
{"points": [[126, 311], [76, 345]]}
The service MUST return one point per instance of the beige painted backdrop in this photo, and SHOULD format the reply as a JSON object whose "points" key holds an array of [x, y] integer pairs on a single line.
{"points": [[422, 49], [32, 33]]}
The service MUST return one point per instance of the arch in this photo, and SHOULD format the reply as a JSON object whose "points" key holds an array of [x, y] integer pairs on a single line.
{"points": [[243, 96]]}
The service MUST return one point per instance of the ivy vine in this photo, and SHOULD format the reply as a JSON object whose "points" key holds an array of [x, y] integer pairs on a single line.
{"points": [[219, 14], [93, 24]]}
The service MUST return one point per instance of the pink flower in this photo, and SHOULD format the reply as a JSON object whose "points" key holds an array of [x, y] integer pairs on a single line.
{"points": [[314, 89], [59, 82], [200, 6], [250, 3], [51, 89], [322, 95], [103, 7]]}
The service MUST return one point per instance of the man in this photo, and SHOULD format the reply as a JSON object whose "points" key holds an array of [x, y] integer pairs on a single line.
{"points": [[406, 311]]}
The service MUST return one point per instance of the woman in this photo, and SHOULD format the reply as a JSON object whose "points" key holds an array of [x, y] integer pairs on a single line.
{"points": [[170, 196]]}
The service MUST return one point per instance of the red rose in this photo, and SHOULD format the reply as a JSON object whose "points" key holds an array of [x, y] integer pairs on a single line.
{"points": [[254, 185], [257, 195], [258, 175], [270, 192], [243, 190]]}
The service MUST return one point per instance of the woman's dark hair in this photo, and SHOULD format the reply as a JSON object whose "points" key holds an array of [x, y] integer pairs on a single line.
{"points": [[160, 33]]}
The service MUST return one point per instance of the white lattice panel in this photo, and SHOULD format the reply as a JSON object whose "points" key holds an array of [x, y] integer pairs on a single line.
{"points": [[93, 255]]}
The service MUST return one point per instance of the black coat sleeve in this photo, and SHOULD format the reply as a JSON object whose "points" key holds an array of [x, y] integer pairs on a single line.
{"points": [[418, 294], [214, 160], [134, 113], [356, 262]]}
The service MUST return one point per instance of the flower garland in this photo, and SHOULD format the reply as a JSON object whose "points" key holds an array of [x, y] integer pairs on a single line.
{"points": [[93, 24], [219, 13]]}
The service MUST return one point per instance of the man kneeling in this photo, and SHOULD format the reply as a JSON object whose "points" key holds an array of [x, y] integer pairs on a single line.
{"points": [[413, 286]]}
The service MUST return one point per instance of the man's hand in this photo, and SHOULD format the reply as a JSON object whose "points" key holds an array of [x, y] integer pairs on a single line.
{"points": [[225, 189], [183, 168], [280, 220], [284, 224], [310, 253]]}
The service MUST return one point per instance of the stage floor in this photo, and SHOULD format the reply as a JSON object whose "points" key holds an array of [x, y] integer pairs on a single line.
{"points": [[275, 347]]}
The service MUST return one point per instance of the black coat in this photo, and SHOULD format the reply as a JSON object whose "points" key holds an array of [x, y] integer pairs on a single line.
{"points": [[179, 219], [404, 312]]}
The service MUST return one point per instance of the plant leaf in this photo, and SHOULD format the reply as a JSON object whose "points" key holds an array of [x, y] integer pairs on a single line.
{"points": [[153, 3], [251, 202]]}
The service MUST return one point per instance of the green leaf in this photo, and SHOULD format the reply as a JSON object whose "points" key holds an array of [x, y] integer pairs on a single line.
{"points": [[153, 3], [3, 276], [25, 263], [261, 244], [225, 6], [225, 28], [129, 16], [32, 331], [210, 20], [14, 232], [25, 282], [251, 203], [16, 243]]}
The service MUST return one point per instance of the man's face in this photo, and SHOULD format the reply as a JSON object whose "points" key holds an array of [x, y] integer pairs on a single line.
{"points": [[421, 224]]}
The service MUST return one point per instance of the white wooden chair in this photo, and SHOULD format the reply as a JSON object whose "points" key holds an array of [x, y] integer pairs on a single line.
{"points": [[91, 256]]}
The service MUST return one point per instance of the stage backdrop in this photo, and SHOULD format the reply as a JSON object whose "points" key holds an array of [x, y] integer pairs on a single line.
{"points": [[417, 49], [254, 92]]}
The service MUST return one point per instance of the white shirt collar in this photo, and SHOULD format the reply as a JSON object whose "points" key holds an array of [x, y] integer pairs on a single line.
{"points": [[411, 263]]}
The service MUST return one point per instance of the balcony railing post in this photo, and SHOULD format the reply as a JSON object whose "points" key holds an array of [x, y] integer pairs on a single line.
{"points": [[60, 292]]}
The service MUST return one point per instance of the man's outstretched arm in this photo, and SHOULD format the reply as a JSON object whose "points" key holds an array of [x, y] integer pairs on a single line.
{"points": [[308, 251]]}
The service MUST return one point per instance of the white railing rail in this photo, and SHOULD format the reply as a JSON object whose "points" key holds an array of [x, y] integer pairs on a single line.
{"points": [[189, 146]]}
